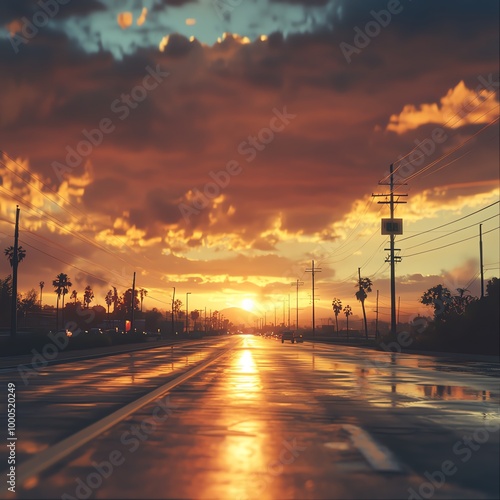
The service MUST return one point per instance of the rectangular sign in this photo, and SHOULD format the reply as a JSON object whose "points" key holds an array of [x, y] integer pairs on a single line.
{"points": [[392, 226]]}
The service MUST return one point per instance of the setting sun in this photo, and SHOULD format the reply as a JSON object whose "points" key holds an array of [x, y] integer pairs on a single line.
{"points": [[248, 305]]}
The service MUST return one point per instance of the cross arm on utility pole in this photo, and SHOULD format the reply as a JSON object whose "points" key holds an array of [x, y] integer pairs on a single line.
{"points": [[313, 270], [392, 259]]}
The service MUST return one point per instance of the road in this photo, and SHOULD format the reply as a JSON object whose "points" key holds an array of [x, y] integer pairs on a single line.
{"points": [[243, 417]]}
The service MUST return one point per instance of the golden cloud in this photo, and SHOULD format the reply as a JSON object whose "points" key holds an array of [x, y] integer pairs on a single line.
{"points": [[459, 107]]}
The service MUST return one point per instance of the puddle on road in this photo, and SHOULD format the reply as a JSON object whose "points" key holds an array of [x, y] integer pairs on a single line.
{"points": [[450, 393]]}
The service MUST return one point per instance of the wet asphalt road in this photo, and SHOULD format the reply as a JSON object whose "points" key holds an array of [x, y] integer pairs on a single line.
{"points": [[267, 420]]}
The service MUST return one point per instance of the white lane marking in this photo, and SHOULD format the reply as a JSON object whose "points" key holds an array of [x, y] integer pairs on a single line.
{"points": [[378, 456], [54, 454]]}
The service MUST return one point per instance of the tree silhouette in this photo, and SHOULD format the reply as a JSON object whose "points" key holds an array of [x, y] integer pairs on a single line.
{"points": [[439, 297], [116, 299], [109, 300], [364, 286], [9, 253], [125, 304], [462, 301], [74, 295], [61, 284], [28, 302], [347, 312], [178, 312], [142, 293], [88, 296], [337, 309]]}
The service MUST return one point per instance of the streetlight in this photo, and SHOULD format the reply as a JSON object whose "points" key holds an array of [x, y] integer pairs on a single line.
{"points": [[187, 311]]}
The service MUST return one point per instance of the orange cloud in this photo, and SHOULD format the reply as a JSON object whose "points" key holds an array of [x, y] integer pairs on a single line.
{"points": [[459, 107], [125, 20]]}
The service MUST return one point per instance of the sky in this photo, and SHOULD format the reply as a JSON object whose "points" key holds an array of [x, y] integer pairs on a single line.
{"points": [[220, 146]]}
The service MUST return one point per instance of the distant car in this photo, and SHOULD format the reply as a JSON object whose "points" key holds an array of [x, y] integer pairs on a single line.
{"points": [[288, 336], [298, 337]]}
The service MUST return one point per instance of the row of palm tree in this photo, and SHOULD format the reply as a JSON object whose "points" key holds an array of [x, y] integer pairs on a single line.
{"points": [[364, 286], [62, 284]]}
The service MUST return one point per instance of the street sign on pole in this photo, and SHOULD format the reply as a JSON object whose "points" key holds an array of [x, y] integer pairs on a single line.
{"points": [[392, 226]]}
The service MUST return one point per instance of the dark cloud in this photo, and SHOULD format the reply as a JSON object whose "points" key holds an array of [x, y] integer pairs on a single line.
{"points": [[163, 4], [188, 128], [16, 9], [316, 3]]}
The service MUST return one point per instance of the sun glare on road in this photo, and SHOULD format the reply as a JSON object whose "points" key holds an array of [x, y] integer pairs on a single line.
{"points": [[246, 363]]}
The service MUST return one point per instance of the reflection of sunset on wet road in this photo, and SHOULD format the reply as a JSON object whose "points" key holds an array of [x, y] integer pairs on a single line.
{"points": [[269, 420]]}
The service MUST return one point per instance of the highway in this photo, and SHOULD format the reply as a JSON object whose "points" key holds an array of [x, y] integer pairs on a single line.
{"points": [[243, 417]]}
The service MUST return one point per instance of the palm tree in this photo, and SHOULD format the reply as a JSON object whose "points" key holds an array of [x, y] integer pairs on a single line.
{"points": [[347, 312], [142, 293], [116, 299], [74, 295], [337, 309], [9, 252], [61, 284], [88, 296], [109, 300], [364, 285]]}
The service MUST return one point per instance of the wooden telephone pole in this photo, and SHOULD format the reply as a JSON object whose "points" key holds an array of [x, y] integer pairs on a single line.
{"points": [[392, 227]]}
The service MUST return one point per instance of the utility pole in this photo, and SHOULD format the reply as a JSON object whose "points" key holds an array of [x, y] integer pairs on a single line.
{"points": [[376, 319], [481, 258], [15, 262], [187, 311], [296, 285], [42, 284], [133, 305], [399, 306], [173, 313], [313, 270], [289, 311], [392, 227]]}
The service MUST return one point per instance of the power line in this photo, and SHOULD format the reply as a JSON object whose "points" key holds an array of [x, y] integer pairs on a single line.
{"points": [[449, 234], [450, 244], [444, 125], [427, 167], [62, 207], [448, 223]]}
